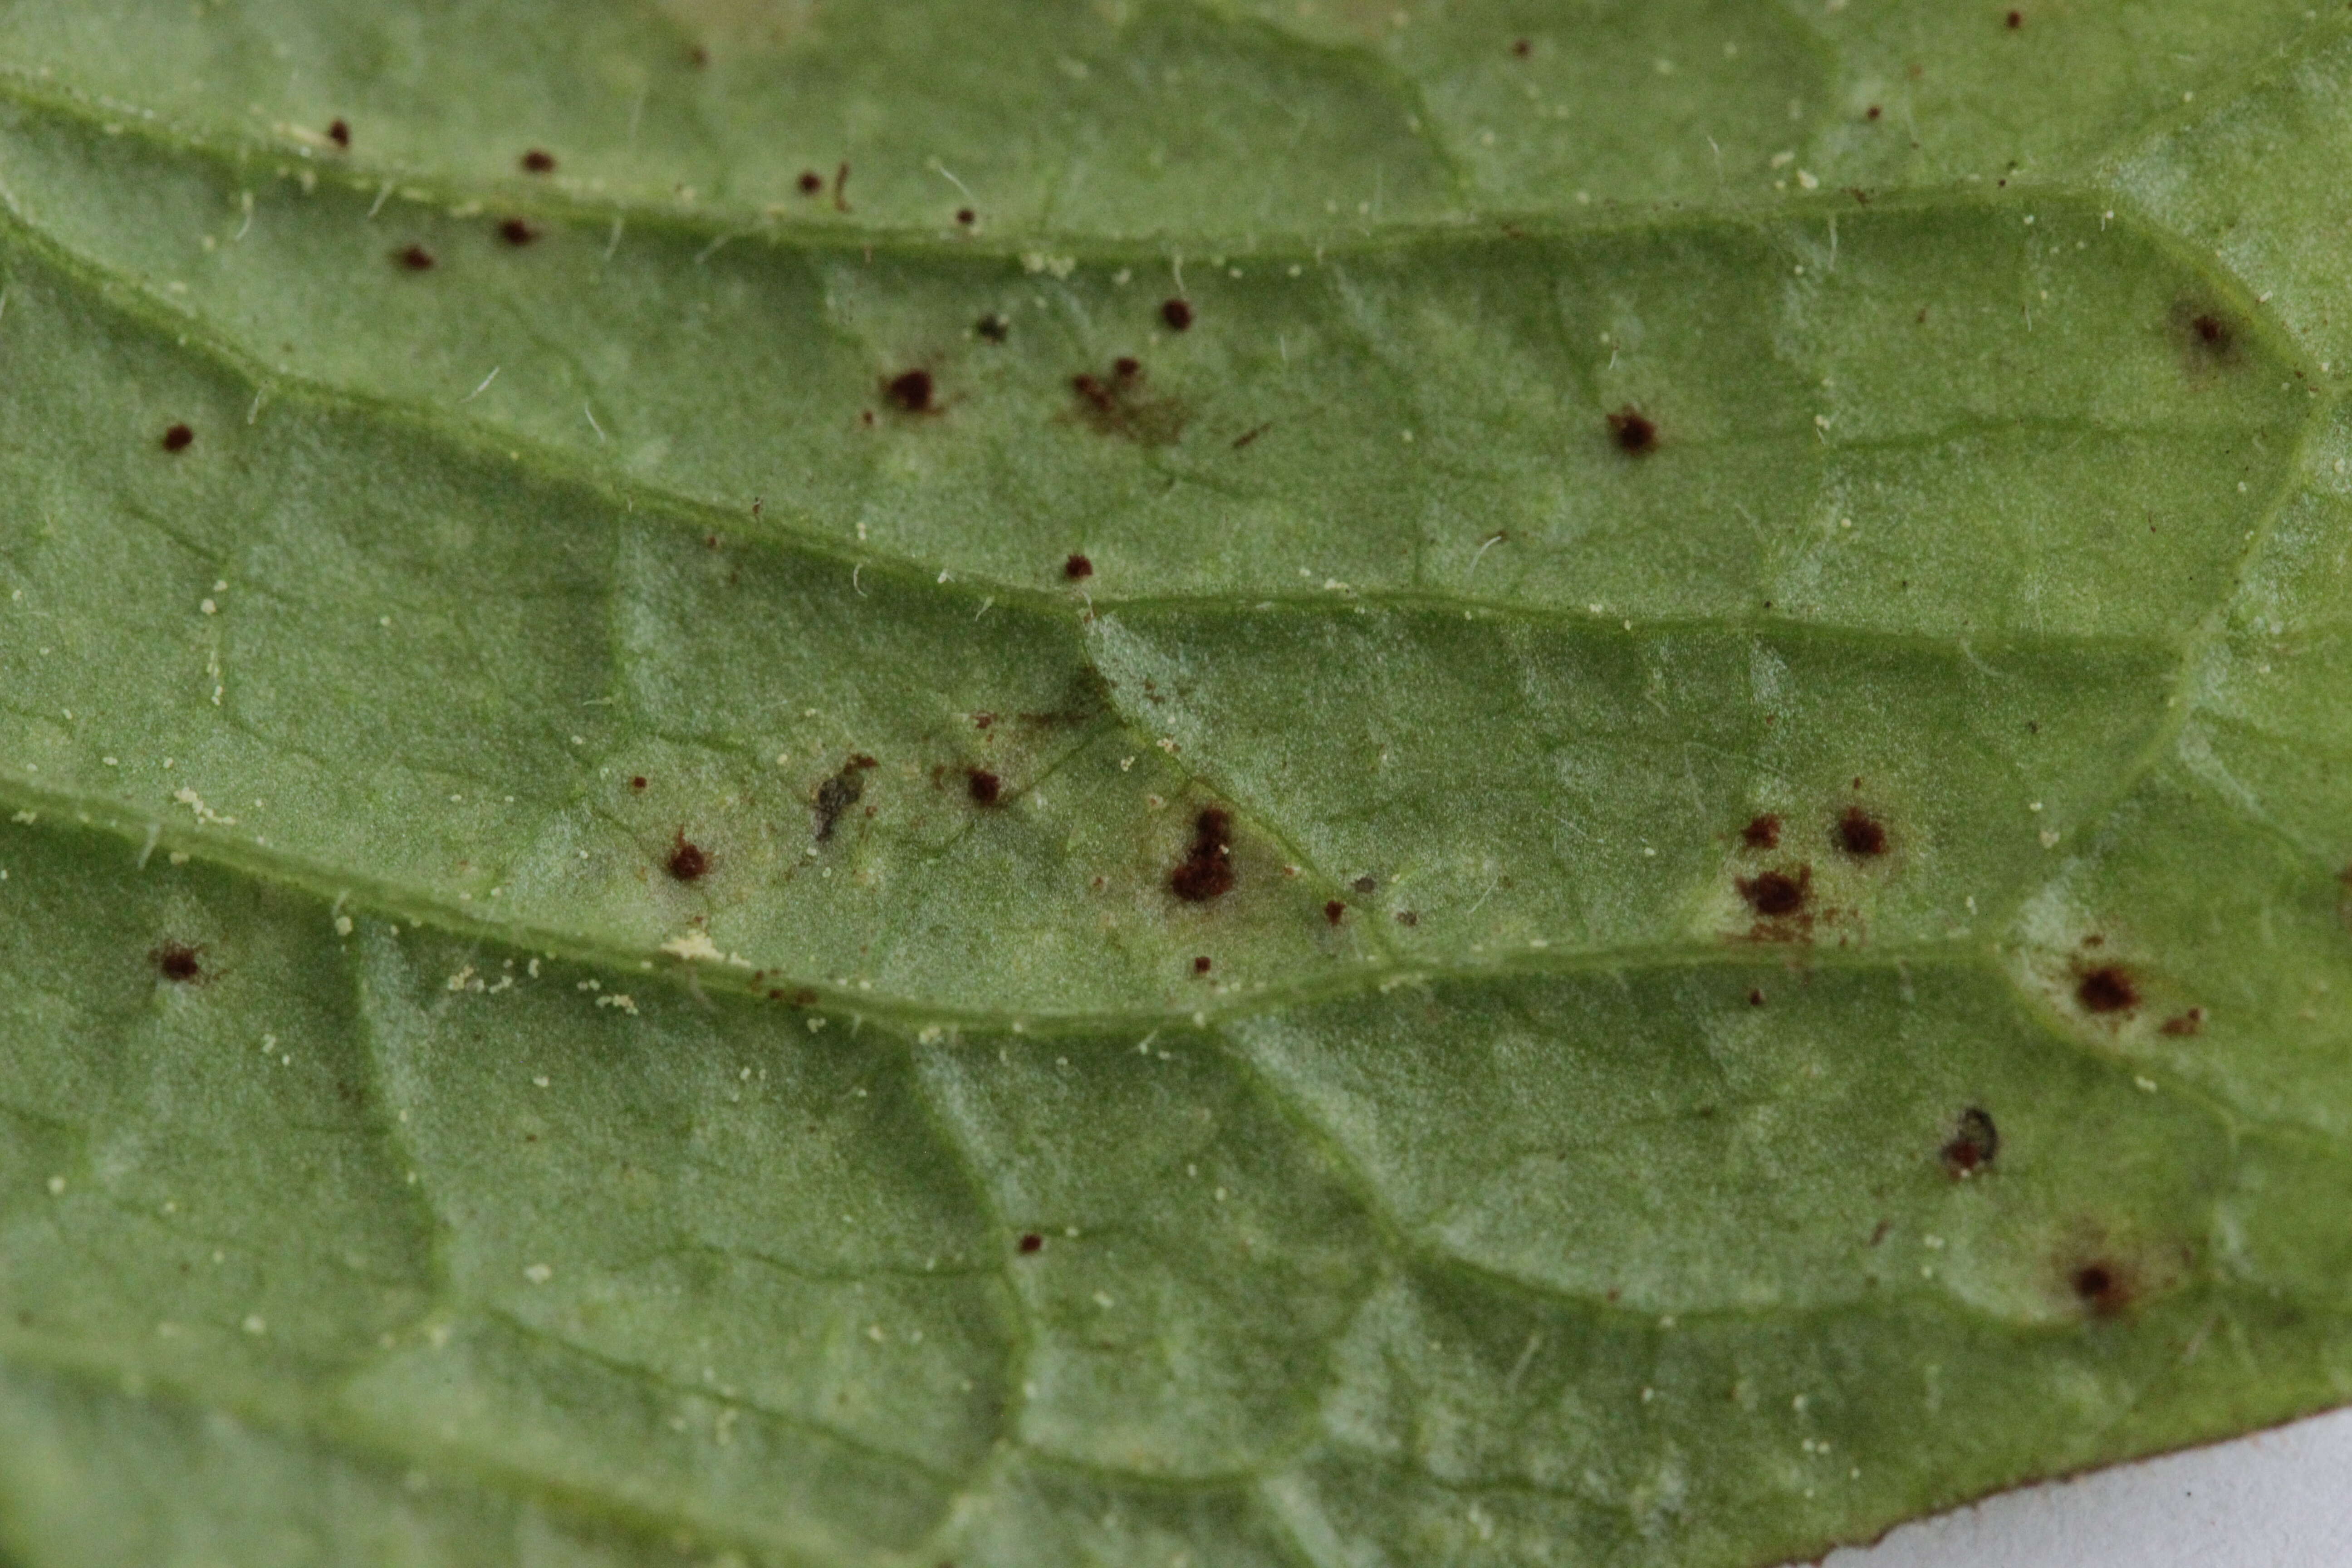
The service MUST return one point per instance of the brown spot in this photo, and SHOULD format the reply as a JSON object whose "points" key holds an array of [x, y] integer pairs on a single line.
{"points": [[966, 216], [1177, 314], [2107, 989], [1077, 567], [840, 185], [1033, 1242], [1972, 1146], [1773, 894], [811, 181], [1522, 47], [983, 721], [688, 862], [1407, 918], [911, 391], [1200, 965], [1335, 911], [2190, 1022], [1762, 832], [339, 134], [1365, 885], [538, 160], [839, 792], [1252, 434], [515, 231], [177, 962], [697, 56], [2102, 1287], [417, 258], [1117, 406], [178, 439], [994, 328], [1633, 431], [638, 782], [1756, 996], [1207, 869], [2016, 20], [984, 786], [1873, 113], [1860, 834]]}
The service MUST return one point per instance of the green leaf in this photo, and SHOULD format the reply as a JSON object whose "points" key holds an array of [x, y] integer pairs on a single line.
{"points": [[1633, 855]]}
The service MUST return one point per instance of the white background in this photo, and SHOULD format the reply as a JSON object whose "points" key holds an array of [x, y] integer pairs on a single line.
{"points": [[2276, 1499]]}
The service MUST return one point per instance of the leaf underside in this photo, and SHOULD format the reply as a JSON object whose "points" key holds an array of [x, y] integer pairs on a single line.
{"points": [[626, 623]]}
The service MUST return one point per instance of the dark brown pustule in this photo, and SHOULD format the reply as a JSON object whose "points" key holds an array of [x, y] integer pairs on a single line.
{"points": [[1756, 996], [1206, 871], [1873, 113], [1335, 911], [2192, 1022], [2107, 989], [178, 439], [1033, 1242], [1177, 314], [538, 160], [837, 795], [1762, 832], [417, 258], [339, 134], [1636, 433], [1077, 568], [1774, 894], [984, 786], [966, 216], [811, 181], [1200, 965], [2102, 1288], [638, 782], [1861, 834], [993, 328], [688, 862], [1972, 1145], [178, 962], [516, 231], [911, 392], [2016, 19]]}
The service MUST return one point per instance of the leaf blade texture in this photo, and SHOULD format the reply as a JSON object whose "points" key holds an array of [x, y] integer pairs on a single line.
{"points": [[1633, 854]]}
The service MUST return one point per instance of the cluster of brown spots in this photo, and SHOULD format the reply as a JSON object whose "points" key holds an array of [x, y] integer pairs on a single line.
{"points": [[1200, 965], [1207, 869], [1115, 405], [178, 439], [984, 786], [911, 391], [1077, 568], [688, 862], [1762, 832], [517, 231], [177, 962], [416, 258], [1634, 432], [1335, 911], [538, 160], [1861, 834], [1177, 314], [1776, 894], [2108, 988], [1973, 1144], [837, 795], [339, 134], [811, 181], [993, 328], [2190, 1022]]}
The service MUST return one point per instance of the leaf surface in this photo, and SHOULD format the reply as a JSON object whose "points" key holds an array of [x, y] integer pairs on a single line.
{"points": [[1633, 854]]}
